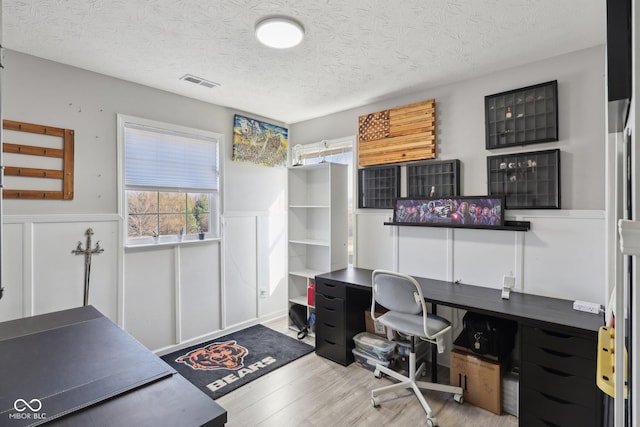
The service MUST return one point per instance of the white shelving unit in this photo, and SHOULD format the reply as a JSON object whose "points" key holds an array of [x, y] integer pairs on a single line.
{"points": [[317, 227]]}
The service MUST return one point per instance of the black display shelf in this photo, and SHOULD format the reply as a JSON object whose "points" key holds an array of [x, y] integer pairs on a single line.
{"points": [[522, 116], [528, 180], [508, 225], [433, 178], [378, 186]]}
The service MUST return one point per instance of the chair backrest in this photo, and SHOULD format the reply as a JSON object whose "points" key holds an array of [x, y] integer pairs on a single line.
{"points": [[397, 292]]}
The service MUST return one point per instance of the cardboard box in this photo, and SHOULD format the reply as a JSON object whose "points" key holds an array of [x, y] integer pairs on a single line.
{"points": [[378, 328], [480, 379]]}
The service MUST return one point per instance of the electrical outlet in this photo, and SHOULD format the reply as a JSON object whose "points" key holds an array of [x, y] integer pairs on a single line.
{"points": [[589, 307]]}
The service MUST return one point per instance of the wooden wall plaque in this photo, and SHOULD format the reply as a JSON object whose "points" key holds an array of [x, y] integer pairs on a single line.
{"points": [[65, 152], [401, 134]]}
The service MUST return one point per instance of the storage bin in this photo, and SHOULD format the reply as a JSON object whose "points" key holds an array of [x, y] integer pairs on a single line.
{"points": [[374, 345], [368, 361]]}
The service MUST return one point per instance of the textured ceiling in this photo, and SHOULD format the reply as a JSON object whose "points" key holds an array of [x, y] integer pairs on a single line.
{"points": [[354, 53]]}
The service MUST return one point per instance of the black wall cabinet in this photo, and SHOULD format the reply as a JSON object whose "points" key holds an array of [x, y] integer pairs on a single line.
{"points": [[527, 180], [443, 177], [523, 116], [378, 187]]}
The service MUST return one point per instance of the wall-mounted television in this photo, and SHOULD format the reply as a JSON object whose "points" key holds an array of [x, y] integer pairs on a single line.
{"points": [[461, 211]]}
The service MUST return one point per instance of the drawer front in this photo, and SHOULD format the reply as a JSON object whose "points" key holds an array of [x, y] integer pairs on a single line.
{"points": [[581, 346], [331, 290], [539, 409], [331, 332], [566, 387], [333, 351], [559, 361], [330, 310]]}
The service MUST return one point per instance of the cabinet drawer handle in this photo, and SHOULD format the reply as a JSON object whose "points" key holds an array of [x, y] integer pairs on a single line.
{"points": [[329, 342], [554, 372], [555, 399], [550, 424], [328, 325], [555, 353], [555, 334], [328, 308]]}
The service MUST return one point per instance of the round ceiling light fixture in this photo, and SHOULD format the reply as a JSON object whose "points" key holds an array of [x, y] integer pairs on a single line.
{"points": [[279, 32]]}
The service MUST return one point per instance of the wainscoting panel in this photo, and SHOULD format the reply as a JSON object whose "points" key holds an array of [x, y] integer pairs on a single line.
{"points": [[564, 257], [199, 295], [375, 246], [13, 271], [58, 274], [482, 257], [423, 251], [150, 296], [240, 269]]}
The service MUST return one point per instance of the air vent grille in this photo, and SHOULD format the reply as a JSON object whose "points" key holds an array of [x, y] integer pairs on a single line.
{"points": [[199, 81]]}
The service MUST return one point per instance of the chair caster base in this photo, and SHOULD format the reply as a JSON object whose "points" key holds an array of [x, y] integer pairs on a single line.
{"points": [[458, 398], [377, 374], [375, 403], [432, 421]]}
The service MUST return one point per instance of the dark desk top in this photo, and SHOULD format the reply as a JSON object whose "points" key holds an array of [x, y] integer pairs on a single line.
{"points": [[528, 309], [76, 367]]}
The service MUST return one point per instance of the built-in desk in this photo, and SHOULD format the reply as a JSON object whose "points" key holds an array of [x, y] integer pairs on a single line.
{"points": [[557, 343]]}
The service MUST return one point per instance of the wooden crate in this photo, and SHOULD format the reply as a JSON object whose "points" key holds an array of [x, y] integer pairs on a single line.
{"points": [[401, 134]]}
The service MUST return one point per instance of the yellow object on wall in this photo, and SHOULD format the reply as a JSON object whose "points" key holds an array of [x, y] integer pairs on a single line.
{"points": [[605, 374]]}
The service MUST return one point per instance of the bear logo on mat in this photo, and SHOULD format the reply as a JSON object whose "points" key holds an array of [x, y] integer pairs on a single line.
{"points": [[218, 355]]}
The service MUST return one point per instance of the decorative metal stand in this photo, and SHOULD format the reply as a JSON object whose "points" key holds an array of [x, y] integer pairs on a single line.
{"points": [[87, 260]]}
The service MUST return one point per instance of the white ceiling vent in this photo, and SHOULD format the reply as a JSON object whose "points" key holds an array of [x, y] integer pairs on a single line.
{"points": [[199, 81]]}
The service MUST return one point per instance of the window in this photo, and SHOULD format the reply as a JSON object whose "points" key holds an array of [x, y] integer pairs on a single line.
{"points": [[171, 181], [335, 151]]}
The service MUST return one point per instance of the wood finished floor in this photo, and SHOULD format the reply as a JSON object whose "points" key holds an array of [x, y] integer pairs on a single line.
{"points": [[313, 391]]}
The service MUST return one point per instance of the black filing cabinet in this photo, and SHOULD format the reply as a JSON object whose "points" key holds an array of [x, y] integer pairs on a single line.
{"points": [[338, 318], [558, 379]]}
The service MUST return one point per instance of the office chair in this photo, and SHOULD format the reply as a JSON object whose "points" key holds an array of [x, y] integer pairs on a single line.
{"points": [[402, 296]]}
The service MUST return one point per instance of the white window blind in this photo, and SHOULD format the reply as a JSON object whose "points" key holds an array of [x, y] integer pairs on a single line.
{"points": [[160, 158]]}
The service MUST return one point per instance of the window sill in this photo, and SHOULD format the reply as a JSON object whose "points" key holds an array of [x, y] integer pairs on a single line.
{"points": [[169, 242]]}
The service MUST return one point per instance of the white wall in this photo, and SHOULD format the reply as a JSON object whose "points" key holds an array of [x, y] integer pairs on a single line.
{"points": [[564, 253], [41, 275], [461, 132], [164, 296]]}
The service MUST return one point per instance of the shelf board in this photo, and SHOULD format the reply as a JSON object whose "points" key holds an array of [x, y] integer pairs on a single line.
{"points": [[308, 273], [508, 226], [313, 242], [301, 300], [309, 206]]}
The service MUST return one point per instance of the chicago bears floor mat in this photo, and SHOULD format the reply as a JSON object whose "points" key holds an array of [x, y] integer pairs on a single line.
{"points": [[222, 365]]}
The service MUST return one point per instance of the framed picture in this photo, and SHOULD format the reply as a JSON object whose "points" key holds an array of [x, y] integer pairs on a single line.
{"points": [[259, 142], [467, 212]]}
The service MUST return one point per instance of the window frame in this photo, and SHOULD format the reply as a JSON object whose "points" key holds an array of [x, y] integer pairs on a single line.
{"points": [[215, 203]]}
